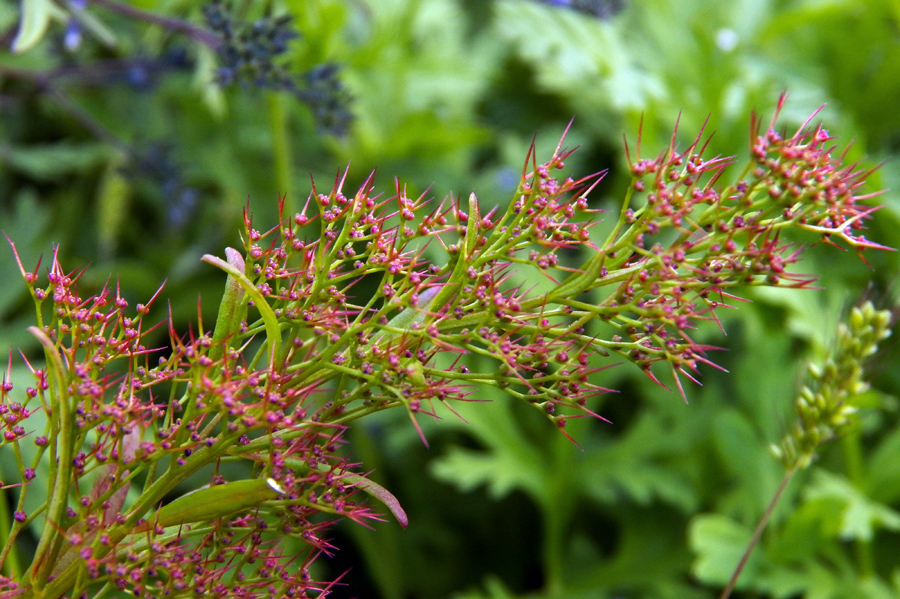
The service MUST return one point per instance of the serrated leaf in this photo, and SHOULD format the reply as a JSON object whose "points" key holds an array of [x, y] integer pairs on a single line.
{"points": [[803, 533], [636, 465], [511, 461], [501, 471], [860, 515]]}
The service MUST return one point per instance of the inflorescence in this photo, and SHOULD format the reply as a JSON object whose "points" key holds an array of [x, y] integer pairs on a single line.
{"points": [[827, 405], [313, 334], [253, 54]]}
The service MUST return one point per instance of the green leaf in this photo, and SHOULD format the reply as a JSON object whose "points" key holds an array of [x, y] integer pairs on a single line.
{"points": [[232, 309], [36, 16], [805, 532], [214, 502], [36, 425], [205, 82], [369, 486], [860, 516], [49, 162], [883, 469], [94, 26], [382, 495], [494, 589], [273, 332], [512, 462], [719, 543], [501, 471], [639, 464], [742, 453], [409, 316], [25, 224]]}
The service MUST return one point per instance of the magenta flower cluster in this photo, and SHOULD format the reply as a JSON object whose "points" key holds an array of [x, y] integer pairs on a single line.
{"points": [[393, 304]]}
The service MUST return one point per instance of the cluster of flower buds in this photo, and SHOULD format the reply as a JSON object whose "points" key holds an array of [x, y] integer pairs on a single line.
{"points": [[393, 304], [825, 407], [682, 246], [252, 53]]}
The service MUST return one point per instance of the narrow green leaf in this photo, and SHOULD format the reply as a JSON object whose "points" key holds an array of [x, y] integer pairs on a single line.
{"points": [[36, 16], [52, 162], [95, 27], [232, 309], [215, 502], [273, 332], [381, 494], [369, 486], [472, 225]]}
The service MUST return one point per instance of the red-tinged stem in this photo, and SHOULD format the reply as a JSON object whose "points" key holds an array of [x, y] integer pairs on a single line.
{"points": [[758, 533], [198, 33]]}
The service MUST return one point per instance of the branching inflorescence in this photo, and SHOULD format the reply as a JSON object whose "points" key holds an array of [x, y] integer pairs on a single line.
{"points": [[312, 335]]}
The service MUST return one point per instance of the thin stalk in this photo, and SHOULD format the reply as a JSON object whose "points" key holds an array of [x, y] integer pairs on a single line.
{"points": [[48, 545], [281, 149], [9, 558], [178, 25], [552, 554], [854, 466], [43, 80], [758, 532]]}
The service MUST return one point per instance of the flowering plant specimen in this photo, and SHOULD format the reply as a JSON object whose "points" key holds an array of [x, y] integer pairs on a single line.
{"points": [[300, 349]]}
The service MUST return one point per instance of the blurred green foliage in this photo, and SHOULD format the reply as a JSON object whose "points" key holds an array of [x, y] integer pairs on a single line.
{"points": [[125, 153]]}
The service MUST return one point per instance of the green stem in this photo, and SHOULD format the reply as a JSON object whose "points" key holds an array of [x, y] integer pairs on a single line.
{"points": [[281, 149], [60, 479], [853, 459], [552, 550], [9, 558]]}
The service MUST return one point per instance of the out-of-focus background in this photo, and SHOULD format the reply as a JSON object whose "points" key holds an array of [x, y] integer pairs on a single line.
{"points": [[129, 142]]}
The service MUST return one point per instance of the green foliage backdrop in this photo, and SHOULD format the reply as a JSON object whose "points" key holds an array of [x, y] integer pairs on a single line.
{"points": [[126, 153]]}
